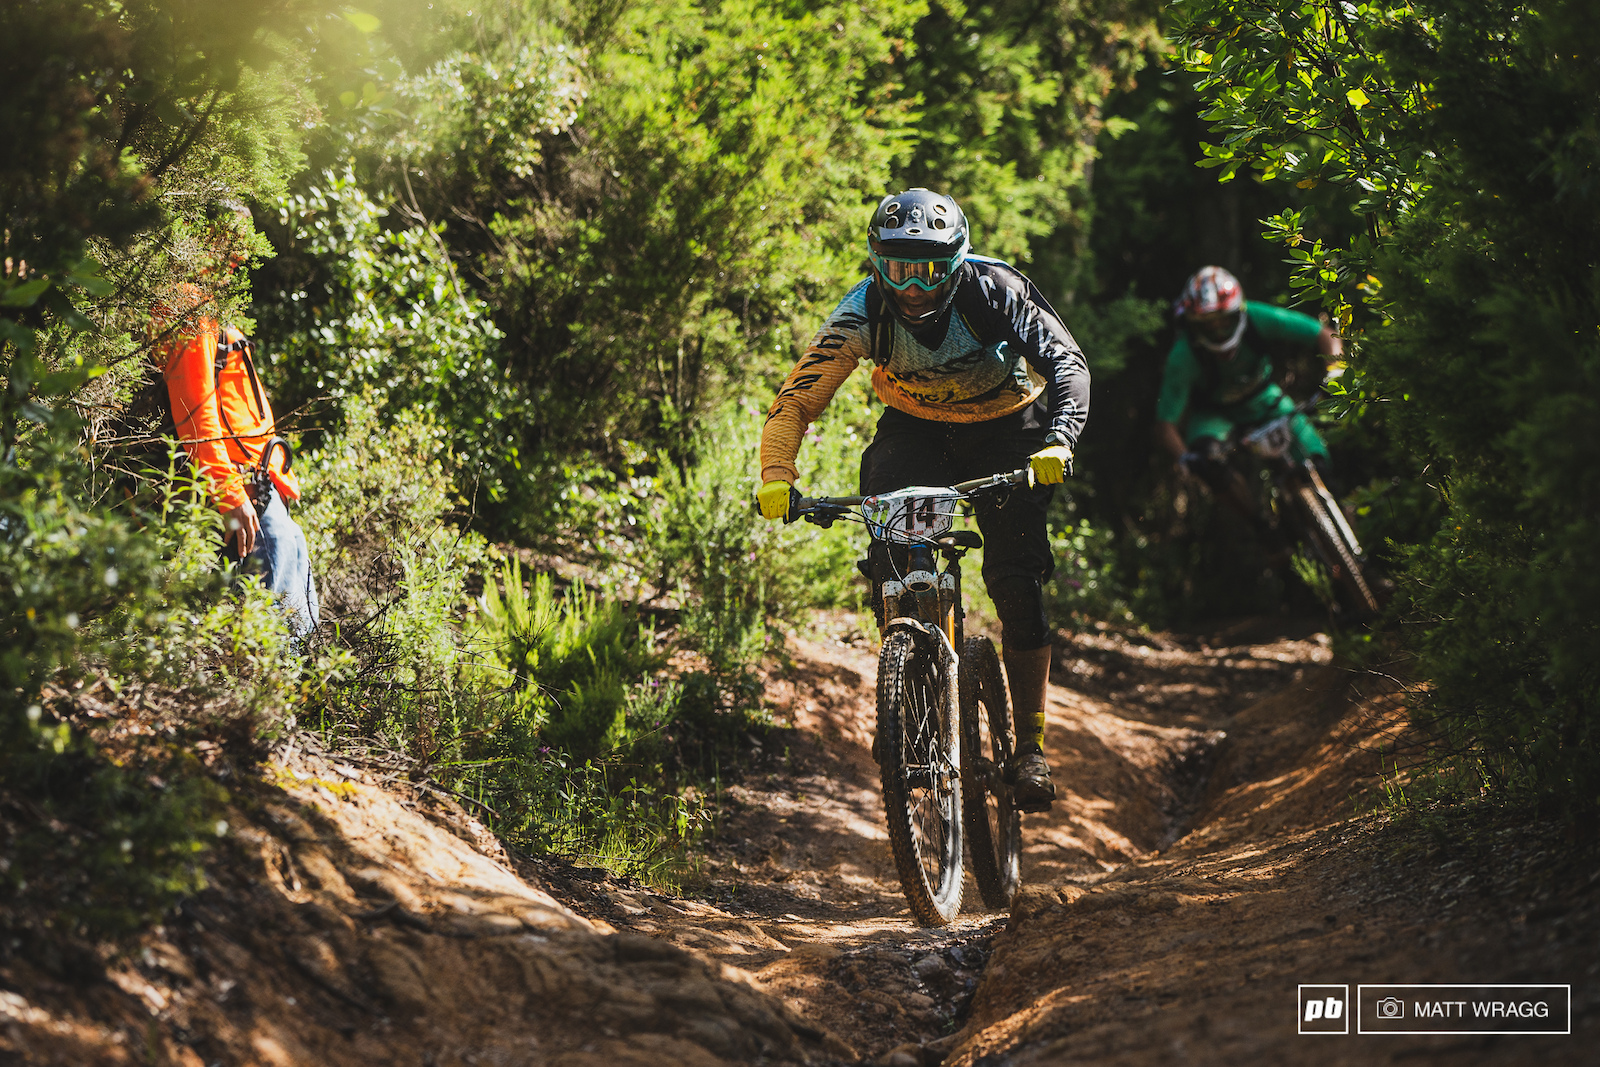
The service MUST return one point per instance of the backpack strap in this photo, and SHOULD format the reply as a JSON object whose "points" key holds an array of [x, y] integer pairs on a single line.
{"points": [[988, 323], [246, 351], [880, 327]]}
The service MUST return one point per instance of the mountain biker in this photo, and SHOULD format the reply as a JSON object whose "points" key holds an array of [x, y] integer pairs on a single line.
{"points": [[1220, 377], [223, 420], [979, 376]]}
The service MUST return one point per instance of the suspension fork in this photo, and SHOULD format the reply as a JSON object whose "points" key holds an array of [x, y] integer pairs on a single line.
{"points": [[1335, 512], [950, 608]]}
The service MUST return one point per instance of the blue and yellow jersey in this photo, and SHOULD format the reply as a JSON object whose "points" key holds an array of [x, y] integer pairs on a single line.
{"points": [[958, 369]]}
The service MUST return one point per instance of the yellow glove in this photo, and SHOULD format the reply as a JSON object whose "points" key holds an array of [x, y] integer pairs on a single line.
{"points": [[1050, 464], [774, 499]]}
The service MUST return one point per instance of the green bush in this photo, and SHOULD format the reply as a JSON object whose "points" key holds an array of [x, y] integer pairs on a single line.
{"points": [[107, 827], [538, 708], [1471, 144], [1087, 584], [732, 570], [367, 313], [571, 659]]}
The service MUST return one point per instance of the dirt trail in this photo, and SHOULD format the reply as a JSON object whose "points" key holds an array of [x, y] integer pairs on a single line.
{"points": [[1207, 854], [807, 897], [1215, 845]]}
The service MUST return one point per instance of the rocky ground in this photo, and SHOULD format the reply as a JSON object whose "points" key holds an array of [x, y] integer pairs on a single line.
{"points": [[1217, 843]]}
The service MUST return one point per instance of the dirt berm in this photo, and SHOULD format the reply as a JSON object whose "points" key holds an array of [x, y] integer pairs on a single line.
{"points": [[345, 925]]}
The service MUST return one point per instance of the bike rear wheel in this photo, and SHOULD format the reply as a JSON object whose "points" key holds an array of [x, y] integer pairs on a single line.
{"points": [[992, 825], [921, 782], [1339, 555]]}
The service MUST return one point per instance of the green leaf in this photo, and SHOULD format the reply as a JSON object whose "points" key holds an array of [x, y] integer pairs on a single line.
{"points": [[1117, 126], [1357, 98], [26, 294], [362, 21], [86, 276], [63, 382]]}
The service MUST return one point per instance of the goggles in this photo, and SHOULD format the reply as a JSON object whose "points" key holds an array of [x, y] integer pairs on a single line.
{"points": [[925, 274]]}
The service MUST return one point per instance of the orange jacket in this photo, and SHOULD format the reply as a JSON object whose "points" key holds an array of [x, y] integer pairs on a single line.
{"points": [[223, 417]]}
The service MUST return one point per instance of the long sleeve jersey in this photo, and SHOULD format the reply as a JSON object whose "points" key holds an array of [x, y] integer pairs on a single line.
{"points": [[1193, 376], [998, 348], [223, 418]]}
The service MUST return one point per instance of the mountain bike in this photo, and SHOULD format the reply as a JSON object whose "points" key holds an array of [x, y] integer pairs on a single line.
{"points": [[944, 721], [1305, 505]]}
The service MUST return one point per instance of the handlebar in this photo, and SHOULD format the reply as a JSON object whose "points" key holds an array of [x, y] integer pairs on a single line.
{"points": [[804, 506], [1237, 439]]}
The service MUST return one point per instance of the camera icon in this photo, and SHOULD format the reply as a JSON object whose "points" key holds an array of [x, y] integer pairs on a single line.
{"points": [[1390, 1008]]}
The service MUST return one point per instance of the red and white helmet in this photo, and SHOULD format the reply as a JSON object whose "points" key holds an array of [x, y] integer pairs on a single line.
{"points": [[1212, 309]]}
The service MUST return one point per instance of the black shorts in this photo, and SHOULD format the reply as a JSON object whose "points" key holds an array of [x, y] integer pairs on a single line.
{"points": [[907, 450]]}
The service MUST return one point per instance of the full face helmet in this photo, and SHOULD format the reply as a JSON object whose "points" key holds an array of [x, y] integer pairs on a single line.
{"points": [[918, 241], [1212, 310]]}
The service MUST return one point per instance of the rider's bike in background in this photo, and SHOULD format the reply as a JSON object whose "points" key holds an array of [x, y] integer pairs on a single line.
{"points": [[944, 724], [1309, 512]]}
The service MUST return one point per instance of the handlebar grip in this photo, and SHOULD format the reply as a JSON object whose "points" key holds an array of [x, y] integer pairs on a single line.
{"points": [[1020, 476]]}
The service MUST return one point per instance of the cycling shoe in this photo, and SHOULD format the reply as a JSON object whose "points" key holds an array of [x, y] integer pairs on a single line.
{"points": [[1031, 788]]}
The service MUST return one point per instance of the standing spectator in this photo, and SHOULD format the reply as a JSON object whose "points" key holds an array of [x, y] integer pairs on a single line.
{"points": [[224, 422]]}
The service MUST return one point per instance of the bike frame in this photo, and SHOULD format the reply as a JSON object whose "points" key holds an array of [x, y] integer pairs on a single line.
{"points": [[922, 616], [1290, 477]]}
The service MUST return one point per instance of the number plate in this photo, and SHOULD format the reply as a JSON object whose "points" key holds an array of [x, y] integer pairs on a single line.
{"points": [[909, 516], [1273, 439]]}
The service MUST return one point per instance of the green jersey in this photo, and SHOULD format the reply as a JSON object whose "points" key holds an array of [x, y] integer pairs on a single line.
{"points": [[1245, 374]]}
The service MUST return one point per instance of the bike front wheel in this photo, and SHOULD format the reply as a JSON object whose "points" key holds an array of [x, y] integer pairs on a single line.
{"points": [[1339, 555], [921, 781], [992, 824]]}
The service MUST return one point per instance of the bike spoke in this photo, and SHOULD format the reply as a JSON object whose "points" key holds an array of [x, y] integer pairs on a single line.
{"points": [[922, 788], [929, 816]]}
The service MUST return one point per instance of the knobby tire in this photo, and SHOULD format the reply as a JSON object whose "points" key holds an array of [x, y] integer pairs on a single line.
{"points": [[992, 825], [924, 820], [1350, 578]]}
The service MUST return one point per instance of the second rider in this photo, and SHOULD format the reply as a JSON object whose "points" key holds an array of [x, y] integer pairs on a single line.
{"points": [[979, 376]]}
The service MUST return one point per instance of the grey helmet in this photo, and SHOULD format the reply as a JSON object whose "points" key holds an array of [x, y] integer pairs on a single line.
{"points": [[919, 239]]}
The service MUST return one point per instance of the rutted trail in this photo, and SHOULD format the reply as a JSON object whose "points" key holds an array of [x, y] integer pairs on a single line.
{"points": [[1205, 856], [802, 876], [1215, 844]]}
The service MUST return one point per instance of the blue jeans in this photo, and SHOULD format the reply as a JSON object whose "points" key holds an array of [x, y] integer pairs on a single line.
{"points": [[283, 561]]}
